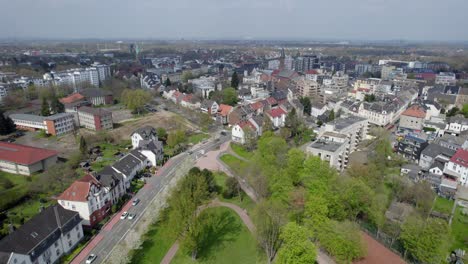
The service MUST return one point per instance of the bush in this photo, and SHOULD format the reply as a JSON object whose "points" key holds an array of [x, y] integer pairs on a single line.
{"points": [[6, 183]]}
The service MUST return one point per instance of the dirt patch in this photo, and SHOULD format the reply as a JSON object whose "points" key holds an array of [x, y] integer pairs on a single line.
{"points": [[65, 145], [378, 253], [164, 119]]}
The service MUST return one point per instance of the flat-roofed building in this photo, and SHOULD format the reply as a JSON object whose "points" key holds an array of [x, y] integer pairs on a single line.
{"points": [[95, 118], [55, 125]]}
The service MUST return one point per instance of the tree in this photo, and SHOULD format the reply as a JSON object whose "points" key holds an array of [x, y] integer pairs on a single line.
{"points": [[232, 188], [235, 80], [331, 116], [425, 240], [56, 106], [292, 122], [45, 109], [186, 76], [135, 99], [464, 110], [269, 217], [162, 133], [453, 111], [267, 124], [167, 83], [6, 124], [296, 247], [343, 241], [83, 146], [305, 101], [250, 137], [369, 97], [229, 96]]}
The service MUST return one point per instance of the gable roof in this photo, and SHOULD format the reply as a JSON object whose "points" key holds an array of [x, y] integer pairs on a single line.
{"points": [[72, 98], [78, 192], [415, 111], [257, 105], [24, 155], [460, 158], [146, 132], [276, 112], [44, 227], [225, 109]]}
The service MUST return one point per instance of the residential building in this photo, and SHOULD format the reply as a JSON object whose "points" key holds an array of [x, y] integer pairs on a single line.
{"points": [[145, 140], [456, 125], [412, 146], [353, 127], [55, 125], [462, 97], [412, 119], [210, 107], [250, 128], [89, 198], [432, 152], [45, 238], [98, 96], [318, 109], [331, 148], [224, 111], [277, 116], [129, 165], [25, 160], [308, 88], [359, 69], [457, 168], [204, 85], [446, 78], [112, 182], [96, 119]]}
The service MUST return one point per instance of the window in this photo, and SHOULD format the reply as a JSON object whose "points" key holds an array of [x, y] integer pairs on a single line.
{"points": [[56, 244], [68, 235], [57, 252], [69, 243], [76, 228], [73, 207]]}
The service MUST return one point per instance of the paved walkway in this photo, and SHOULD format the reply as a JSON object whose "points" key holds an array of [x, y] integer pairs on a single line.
{"points": [[215, 203]]}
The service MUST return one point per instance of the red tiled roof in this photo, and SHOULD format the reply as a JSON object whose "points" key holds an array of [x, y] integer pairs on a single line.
{"points": [[275, 72], [271, 100], [71, 98], [460, 158], [415, 111], [224, 109], [79, 190], [24, 155], [312, 72], [276, 112], [256, 106], [245, 124]]}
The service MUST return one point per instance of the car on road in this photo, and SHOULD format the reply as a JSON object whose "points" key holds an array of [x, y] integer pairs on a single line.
{"points": [[91, 258], [131, 216], [135, 202], [124, 215]]}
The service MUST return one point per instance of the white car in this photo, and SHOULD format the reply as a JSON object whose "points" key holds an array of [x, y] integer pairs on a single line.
{"points": [[131, 216], [135, 202], [91, 258], [124, 215]]}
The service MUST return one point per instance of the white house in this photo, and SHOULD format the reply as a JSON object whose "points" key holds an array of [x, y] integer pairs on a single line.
{"points": [[277, 116], [89, 198], [318, 109], [143, 135], [44, 239], [210, 107], [130, 165], [457, 167], [240, 130], [456, 125]]}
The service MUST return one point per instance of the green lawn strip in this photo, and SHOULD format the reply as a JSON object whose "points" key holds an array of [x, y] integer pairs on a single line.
{"points": [[156, 242], [443, 205], [67, 259], [197, 138], [236, 165], [14, 178], [241, 151], [233, 245], [460, 230]]}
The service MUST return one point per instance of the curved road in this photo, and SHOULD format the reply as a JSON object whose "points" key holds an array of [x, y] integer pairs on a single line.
{"points": [[215, 203]]}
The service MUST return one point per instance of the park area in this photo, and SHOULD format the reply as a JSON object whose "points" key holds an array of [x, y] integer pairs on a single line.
{"points": [[230, 242]]}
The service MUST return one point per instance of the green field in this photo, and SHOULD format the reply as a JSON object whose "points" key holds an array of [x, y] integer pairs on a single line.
{"points": [[460, 229], [197, 138], [108, 154], [235, 164], [233, 245], [443, 205], [241, 151]]}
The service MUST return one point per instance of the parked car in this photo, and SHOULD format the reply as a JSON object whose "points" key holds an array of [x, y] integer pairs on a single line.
{"points": [[131, 216], [124, 215], [135, 202], [91, 258]]}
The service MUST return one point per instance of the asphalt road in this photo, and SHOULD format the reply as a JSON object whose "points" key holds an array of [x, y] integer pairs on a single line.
{"points": [[116, 229]]}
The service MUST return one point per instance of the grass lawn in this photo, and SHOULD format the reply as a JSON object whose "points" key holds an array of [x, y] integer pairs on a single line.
{"points": [[233, 244], [460, 230], [14, 178], [245, 202], [443, 205], [236, 165], [156, 243], [108, 154], [241, 151], [197, 138]]}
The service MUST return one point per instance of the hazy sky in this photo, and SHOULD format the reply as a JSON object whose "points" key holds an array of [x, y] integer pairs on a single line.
{"points": [[218, 19]]}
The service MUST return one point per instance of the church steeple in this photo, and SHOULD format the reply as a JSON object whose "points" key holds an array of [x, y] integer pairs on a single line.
{"points": [[281, 59]]}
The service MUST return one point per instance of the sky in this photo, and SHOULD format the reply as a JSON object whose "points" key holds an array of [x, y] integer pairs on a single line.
{"points": [[236, 19]]}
